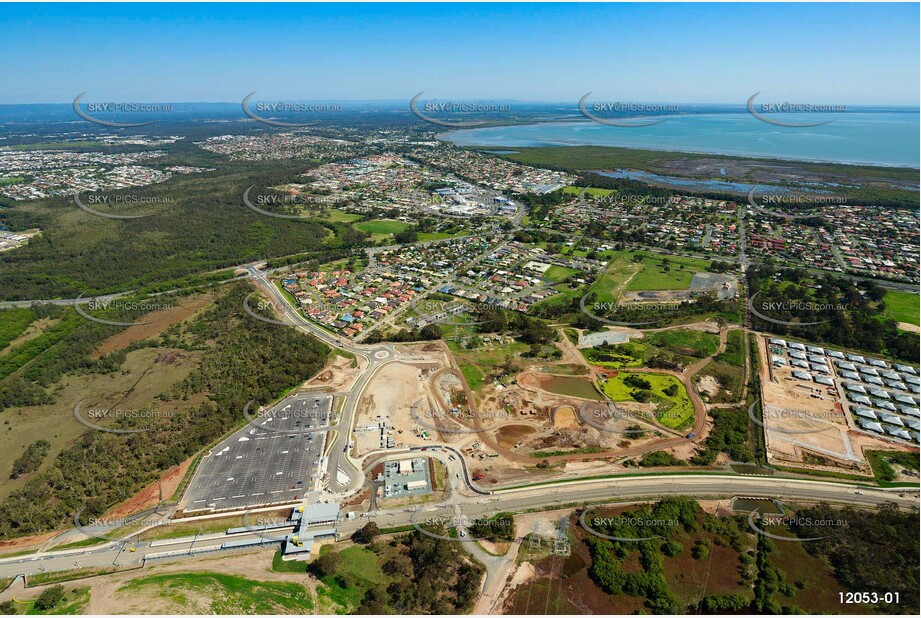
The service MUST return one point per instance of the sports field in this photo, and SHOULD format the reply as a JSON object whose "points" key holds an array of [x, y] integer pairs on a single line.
{"points": [[381, 228], [903, 307]]}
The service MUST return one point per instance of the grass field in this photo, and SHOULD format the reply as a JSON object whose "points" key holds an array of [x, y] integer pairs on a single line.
{"points": [[593, 191], [558, 273], [694, 343], [688, 345], [654, 277], [335, 215], [381, 228], [74, 602], [141, 378], [217, 593], [476, 364], [360, 569], [674, 411], [903, 307], [623, 274], [424, 236], [884, 463]]}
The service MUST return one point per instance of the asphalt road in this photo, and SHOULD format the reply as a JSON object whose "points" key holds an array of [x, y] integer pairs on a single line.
{"points": [[513, 500]]}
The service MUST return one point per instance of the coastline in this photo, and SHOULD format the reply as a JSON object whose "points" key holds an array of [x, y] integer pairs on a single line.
{"points": [[729, 153]]}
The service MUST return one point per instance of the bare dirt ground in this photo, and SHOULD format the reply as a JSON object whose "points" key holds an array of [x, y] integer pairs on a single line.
{"points": [[708, 385], [806, 425], [14, 545], [338, 375], [150, 495], [397, 387], [154, 323]]}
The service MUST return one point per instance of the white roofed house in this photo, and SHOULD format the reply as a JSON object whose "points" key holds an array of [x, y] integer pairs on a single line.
{"points": [[870, 425], [891, 419]]}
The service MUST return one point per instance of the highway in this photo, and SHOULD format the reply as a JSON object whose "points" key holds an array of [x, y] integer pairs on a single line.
{"points": [[511, 500]]}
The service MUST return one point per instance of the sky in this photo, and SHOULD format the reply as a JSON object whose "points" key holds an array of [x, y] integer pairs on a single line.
{"points": [[854, 54]]}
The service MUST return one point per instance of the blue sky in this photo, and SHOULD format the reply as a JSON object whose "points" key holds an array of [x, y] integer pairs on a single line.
{"points": [[706, 53]]}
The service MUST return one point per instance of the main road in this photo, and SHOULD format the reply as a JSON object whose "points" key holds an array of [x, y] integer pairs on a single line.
{"points": [[518, 500]]}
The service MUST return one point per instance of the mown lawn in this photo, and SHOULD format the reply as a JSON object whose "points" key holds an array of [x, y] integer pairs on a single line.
{"points": [[381, 228], [654, 277], [903, 307], [558, 273]]}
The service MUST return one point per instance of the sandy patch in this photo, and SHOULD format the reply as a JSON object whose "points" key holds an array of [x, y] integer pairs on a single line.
{"points": [[150, 495], [155, 323]]}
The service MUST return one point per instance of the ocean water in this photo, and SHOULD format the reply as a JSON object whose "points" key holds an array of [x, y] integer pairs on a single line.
{"points": [[874, 138]]}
